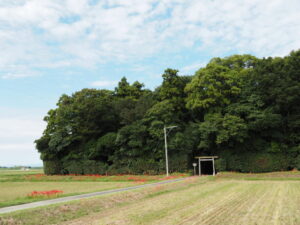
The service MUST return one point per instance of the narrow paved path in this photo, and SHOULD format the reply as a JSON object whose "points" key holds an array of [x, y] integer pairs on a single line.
{"points": [[78, 197]]}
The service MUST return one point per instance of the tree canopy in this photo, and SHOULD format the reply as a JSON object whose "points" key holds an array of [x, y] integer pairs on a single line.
{"points": [[244, 109]]}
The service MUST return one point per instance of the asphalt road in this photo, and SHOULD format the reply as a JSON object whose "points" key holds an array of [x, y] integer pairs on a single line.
{"points": [[78, 197]]}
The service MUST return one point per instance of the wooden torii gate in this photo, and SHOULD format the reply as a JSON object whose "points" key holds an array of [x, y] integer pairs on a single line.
{"points": [[206, 158]]}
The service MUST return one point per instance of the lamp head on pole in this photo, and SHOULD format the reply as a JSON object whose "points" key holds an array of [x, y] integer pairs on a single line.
{"points": [[171, 127]]}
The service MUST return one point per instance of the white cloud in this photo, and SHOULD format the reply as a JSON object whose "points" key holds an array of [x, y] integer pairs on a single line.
{"points": [[15, 75], [17, 71], [54, 33], [104, 83], [17, 134], [191, 69]]}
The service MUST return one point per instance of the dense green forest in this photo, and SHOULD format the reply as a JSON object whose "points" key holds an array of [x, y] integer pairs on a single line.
{"points": [[244, 109]]}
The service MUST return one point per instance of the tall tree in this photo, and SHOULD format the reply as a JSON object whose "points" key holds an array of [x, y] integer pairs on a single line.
{"points": [[219, 83]]}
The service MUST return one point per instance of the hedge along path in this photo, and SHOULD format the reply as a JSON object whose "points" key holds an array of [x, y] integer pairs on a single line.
{"points": [[214, 203], [82, 196]]}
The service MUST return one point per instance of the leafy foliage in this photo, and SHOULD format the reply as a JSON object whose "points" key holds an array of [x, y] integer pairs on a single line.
{"points": [[244, 109]]}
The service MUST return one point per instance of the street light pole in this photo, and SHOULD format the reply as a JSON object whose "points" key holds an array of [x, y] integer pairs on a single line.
{"points": [[166, 148], [166, 151]]}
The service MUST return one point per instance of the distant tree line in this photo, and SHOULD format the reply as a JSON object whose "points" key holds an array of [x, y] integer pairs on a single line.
{"points": [[244, 109]]}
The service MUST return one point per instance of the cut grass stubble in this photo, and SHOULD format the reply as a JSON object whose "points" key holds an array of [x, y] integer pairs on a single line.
{"points": [[218, 200]]}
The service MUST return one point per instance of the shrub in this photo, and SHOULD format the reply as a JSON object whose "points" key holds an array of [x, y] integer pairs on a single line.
{"points": [[53, 167], [254, 162], [298, 162], [220, 164], [85, 167]]}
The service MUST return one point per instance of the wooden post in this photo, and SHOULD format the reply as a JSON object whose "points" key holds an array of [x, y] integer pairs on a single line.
{"points": [[213, 162], [199, 166]]}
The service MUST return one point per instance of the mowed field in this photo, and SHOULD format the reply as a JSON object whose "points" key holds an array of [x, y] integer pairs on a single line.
{"points": [[228, 198]]}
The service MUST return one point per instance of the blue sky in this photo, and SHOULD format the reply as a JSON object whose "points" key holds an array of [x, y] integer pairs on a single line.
{"points": [[51, 47]]}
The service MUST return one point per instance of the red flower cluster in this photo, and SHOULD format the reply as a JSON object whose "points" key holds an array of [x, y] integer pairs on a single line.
{"points": [[136, 179], [44, 193], [39, 175], [92, 175], [80, 175], [35, 176]]}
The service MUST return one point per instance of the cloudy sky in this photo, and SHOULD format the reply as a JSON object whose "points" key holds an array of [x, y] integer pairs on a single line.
{"points": [[51, 47]]}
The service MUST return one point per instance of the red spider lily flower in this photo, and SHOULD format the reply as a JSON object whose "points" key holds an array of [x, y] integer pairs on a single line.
{"points": [[44, 193]]}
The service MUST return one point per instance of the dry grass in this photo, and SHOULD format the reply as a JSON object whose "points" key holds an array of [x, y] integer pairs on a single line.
{"points": [[206, 200], [285, 175], [213, 203]]}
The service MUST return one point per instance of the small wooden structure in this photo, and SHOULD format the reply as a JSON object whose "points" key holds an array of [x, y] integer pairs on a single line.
{"points": [[206, 158]]}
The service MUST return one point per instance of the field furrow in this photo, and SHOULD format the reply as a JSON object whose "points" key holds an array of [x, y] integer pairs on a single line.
{"points": [[228, 212], [242, 203], [197, 201]]}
